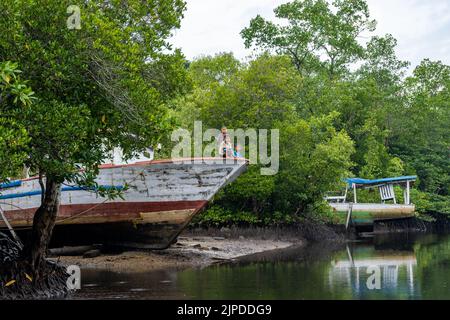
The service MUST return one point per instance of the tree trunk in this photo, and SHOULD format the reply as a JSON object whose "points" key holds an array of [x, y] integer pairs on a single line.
{"points": [[255, 207], [43, 223]]}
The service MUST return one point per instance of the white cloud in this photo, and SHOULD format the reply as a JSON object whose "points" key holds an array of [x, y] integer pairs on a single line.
{"points": [[212, 26], [422, 28]]}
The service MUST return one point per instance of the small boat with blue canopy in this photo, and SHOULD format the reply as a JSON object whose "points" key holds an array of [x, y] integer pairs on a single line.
{"points": [[367, 213]]}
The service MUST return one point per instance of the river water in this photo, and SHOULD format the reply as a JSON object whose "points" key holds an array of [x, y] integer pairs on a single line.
{"points": [[400, 267]]}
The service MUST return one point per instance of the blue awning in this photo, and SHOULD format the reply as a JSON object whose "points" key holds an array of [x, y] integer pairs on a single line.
{"points": [[368, 182], [67, 188], [11, 184]]}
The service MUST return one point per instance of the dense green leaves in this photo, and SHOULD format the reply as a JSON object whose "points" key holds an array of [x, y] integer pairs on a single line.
{"points": [[262, 94], [421, 131], [14, 94], [244, 96], [343, 105], [381, 62], [102, 85], [318, 37], [99, 87], [314, 159]]}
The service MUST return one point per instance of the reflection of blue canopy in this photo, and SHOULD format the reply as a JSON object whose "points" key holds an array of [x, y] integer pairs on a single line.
{"points": [[368, 182]]}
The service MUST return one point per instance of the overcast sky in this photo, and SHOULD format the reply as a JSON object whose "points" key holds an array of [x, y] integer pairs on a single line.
{"points": [[422, 27]]}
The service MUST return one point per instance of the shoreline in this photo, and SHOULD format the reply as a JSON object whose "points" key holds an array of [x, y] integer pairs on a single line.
{"points": [[188, 252], [199, 248]]}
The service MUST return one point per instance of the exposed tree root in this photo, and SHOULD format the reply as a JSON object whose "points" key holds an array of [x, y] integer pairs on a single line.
{"points": [[16, 277]]}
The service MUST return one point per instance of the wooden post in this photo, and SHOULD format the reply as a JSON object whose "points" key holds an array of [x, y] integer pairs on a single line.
{"points": [[345, 194], [10, 228], [349, 215], [407, 192], [393, 193]]}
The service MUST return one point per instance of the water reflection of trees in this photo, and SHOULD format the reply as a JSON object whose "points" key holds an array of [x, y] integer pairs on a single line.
{"points": [[412, 267], [415, 268], [433, 271]]}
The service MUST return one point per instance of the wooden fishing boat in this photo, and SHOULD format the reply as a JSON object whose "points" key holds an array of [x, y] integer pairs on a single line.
{"points": [[360, 214], [160, 198]]}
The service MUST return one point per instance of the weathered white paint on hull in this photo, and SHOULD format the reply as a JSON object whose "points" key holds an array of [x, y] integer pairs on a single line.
{"points": [[150, 182]]}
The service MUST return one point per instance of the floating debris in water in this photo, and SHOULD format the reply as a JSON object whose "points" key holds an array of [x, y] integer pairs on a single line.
{"points": [[138, 289], [88, 285], [165, 281]]}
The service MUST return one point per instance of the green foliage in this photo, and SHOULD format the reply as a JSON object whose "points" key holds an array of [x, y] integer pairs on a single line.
{"points": [[315, 156], [14, 93], [218, 216], [377, 161], [66, 141], [97, 88], [262, 186], [381, 62], [314, 159], [318, 37], [334, 122], [208, 71], [245, 96], [420, 134], [430, 203], [102, 86], [117, 82]]}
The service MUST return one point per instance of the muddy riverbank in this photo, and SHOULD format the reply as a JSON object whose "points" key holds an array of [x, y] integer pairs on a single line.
{"points": [[197, 248], [188, 252], [437, 223]]}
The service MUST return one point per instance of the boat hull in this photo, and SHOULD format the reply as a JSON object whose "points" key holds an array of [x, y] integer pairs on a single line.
{"points": [[368, 213], [160, 199]]}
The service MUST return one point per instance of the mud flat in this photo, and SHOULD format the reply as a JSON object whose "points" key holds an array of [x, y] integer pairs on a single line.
{"points": [[188, 252], [199, 247]]}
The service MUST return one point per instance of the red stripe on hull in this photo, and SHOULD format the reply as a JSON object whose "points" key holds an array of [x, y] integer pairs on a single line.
{"points": [[110, 211]]}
